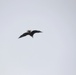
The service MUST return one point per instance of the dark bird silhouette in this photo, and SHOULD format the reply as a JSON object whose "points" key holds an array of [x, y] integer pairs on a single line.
{"points": [[31, 33]]}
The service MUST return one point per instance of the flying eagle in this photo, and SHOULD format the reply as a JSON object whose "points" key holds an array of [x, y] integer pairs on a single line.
{"points": [[31, 33]]}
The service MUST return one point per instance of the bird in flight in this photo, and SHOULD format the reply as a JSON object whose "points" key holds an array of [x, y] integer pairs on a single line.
{"points": [[29, 32]]}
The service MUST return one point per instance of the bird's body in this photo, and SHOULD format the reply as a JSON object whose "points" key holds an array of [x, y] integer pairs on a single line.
{"points": [[29, 32]]}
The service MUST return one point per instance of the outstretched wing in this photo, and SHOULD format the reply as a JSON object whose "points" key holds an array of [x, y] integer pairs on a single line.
{"points": [[24, 34], [35, 31]]}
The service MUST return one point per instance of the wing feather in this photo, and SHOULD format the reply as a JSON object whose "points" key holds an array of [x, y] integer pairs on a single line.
{"points": [[24, 34], [35, 31]]}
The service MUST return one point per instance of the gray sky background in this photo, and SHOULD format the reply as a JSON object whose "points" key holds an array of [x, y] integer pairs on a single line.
{"points": [[51, 53]]}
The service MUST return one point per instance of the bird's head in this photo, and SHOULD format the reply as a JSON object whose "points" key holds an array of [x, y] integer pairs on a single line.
{"points": [[29, 31]]}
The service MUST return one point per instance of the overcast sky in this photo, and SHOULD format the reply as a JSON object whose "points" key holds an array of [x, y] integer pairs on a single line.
{"points": [[52, 52]]}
